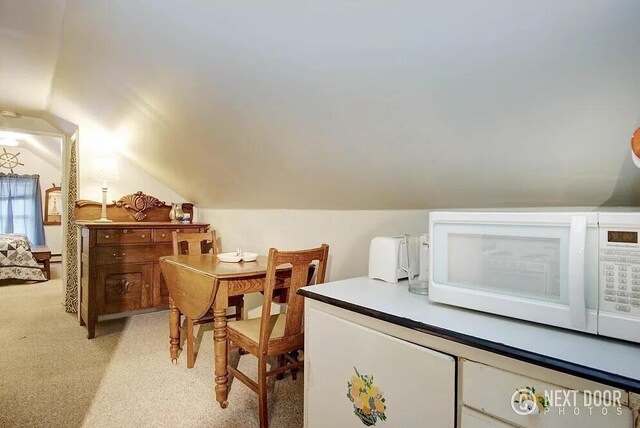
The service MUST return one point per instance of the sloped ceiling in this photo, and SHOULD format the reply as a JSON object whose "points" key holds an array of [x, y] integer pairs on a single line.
{"points": [[354, 105], [29, 41]]}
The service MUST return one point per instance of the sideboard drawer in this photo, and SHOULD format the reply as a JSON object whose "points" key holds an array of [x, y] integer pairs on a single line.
{"points": [[162, 235], [123, 236], [131, 254], [165, 235]]}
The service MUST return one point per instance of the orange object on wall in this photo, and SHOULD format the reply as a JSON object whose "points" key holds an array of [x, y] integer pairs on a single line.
{"points": [[635, 142]]}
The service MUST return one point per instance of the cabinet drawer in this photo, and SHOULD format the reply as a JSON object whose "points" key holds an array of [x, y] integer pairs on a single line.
{"points": [[473, 419], [131, 254], [165, 235], [492, 391], [123, 236]]}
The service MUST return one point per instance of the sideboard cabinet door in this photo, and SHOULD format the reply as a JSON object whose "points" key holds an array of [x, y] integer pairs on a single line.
{"points": [[123, 288], [356, 376]]}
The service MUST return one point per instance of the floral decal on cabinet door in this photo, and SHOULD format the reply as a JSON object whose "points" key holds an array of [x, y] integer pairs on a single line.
{"points": [[368, 403]]}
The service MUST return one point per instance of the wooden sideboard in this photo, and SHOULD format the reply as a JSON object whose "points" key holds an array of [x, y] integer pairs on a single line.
{"points": [[119, 269]]}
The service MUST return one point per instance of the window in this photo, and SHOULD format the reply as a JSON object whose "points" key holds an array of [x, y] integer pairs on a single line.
{"points": [[21, 206]]}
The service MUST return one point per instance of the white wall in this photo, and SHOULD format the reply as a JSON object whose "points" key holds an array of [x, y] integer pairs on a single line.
{"points": [[132, 179], [348, 233], [49, 174]]}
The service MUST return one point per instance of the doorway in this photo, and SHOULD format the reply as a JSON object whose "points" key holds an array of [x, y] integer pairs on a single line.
{"points": [[45, 150]]}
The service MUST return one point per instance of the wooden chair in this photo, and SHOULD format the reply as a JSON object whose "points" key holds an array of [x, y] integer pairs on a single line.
{"points": [[201, 243], [279, 335]]}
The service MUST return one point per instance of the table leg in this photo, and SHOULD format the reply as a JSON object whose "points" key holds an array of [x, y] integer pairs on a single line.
{"points": [[220, 348], [220, 344], [174, 330]]}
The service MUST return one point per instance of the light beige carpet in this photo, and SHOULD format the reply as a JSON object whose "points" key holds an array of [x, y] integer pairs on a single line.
{"points": [[52, 376]]}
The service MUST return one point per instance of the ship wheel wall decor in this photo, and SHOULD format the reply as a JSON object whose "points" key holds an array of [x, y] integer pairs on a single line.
{"points": [[9, 160]]}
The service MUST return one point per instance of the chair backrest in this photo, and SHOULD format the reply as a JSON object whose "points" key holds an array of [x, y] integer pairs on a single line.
{"points": [[300, 262], [194, 242]]}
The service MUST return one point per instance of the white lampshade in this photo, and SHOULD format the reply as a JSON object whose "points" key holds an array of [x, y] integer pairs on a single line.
{"points": [[104, 168]]}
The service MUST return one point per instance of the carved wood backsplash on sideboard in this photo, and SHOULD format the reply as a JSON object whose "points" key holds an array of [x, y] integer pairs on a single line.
{"points": [[134, 207]]}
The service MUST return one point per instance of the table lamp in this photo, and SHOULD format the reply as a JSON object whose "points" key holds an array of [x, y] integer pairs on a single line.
{"points": [[104, 168]]}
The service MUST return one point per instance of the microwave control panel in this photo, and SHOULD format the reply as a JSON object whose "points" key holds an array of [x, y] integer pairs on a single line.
{"points": [[619, 271]]}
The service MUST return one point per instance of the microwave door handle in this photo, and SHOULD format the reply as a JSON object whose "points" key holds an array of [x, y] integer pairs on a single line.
{"points": [[577, 238]]}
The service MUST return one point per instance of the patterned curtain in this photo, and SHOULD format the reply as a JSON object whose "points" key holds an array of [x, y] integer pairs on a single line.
{"points": [[70, 247]]}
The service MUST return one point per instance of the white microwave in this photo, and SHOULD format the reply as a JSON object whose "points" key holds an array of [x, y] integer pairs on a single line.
{"points": [[576, 270]]}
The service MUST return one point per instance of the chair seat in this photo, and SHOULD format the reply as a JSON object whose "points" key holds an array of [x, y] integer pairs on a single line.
{"points": [[251, 328]]}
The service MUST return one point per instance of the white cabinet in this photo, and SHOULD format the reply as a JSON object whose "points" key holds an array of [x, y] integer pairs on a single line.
{"points": [[356, 376], [436, 380]]}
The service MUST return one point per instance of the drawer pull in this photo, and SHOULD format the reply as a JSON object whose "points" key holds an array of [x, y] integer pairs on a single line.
{"points": [[125, 231], [125, 287], [143, 236], [106, 236], [117, 257], [164, 235], [146, 286]]}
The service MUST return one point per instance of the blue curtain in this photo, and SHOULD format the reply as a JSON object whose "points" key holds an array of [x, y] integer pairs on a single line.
{"points": [[21, 206]]}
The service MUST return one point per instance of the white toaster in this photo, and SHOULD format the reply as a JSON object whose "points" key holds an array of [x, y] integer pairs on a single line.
{"points": [[386, 255]]}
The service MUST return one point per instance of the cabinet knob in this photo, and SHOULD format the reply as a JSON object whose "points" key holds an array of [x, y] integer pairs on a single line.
{"points": [[125, 231], [117, 257], [163, 235], [146, 286], [143, 236], [106, 236], [125, 287]]}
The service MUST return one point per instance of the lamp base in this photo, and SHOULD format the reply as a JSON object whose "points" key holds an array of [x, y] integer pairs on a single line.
{"points": [[103, 214], [103, 220]]}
